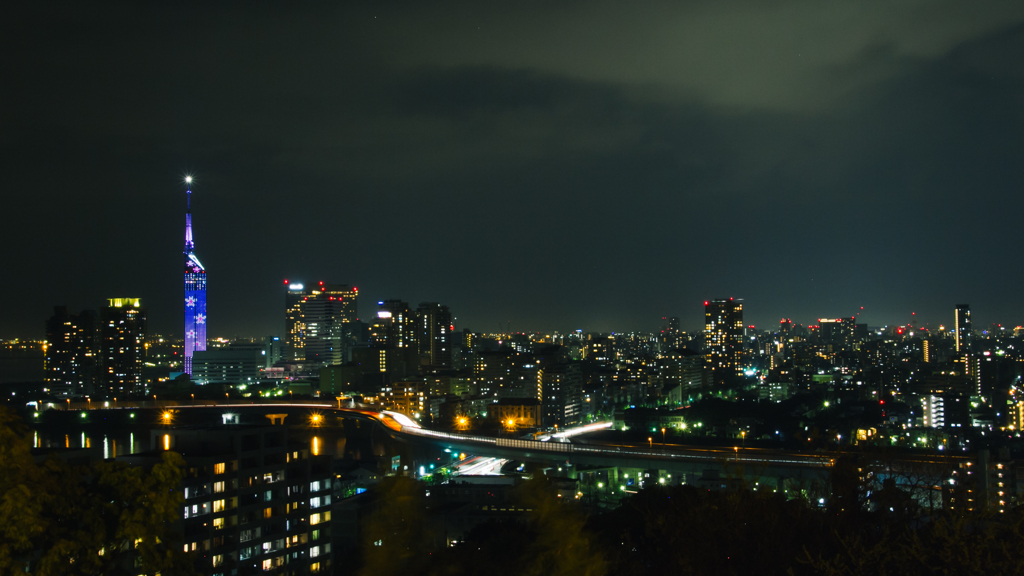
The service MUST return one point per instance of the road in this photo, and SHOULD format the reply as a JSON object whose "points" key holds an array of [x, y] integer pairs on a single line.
{"points": [[401, 424], [480, 466]]}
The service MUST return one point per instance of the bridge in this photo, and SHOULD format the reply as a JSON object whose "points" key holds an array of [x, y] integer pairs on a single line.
{"points": [[612, 463], [753, 465]]}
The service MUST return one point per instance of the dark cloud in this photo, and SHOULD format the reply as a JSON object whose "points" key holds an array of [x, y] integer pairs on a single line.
{"points": [[554, 167]]}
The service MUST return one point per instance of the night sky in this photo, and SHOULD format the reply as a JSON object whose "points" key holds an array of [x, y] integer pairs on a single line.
{"points": [[591, 165]]}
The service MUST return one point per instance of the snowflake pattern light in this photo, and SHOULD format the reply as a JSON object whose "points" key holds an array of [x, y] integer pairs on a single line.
{"points": [[195, 294]]}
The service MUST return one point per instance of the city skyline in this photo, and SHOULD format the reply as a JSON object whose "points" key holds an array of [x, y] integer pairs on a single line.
{"points": [[500, 287], [654, 326], [595, 177]]}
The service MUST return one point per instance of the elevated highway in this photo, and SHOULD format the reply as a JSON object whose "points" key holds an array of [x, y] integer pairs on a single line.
{"points": [[694, 461], [755, 465]]}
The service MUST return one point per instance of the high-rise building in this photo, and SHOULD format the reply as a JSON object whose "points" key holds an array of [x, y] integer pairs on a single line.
{"points": [[72, 351], [838, 332], [963, 335], [295, 324], [319, 322], [395, 326], [435, 339], [673, 324], [328, 311], [671, 337], [785, 325], [680, 367], [723, 338], [962, 331], [393, 338], [122, 345], [560, 393], [272, 350], [195, 290]]}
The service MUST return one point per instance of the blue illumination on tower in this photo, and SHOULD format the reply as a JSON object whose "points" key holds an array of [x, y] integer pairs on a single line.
{"points": [[195, 290]]}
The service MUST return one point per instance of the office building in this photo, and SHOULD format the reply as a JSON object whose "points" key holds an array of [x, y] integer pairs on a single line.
{"points": [[319, 322], [962, 329], [723, 338], [72, 352], [681, 367], [560, 393], [671, 337], [328, 312], [395, 326], [496, 373], [785, 327], [122, 346], [295, 324], [273, 350], [238, 363], [393, 338], [435, 339], [195, 290], [837, 332]]}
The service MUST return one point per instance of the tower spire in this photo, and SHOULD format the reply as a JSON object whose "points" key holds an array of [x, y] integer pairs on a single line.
{"points": [[189, 244], [195, 290]]}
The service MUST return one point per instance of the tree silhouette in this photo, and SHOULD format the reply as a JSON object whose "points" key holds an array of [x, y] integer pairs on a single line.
{"points": [[395, 540], [96, 519]]}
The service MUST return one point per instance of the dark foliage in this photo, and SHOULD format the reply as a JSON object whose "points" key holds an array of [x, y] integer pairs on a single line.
{"points": [[60, 519]]}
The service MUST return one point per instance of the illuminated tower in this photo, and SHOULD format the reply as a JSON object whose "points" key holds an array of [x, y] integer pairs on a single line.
{"points": [[195, 290]]}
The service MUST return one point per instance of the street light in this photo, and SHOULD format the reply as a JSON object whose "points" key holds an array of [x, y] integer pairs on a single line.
{"points": [[662, 436], [651, 442]]}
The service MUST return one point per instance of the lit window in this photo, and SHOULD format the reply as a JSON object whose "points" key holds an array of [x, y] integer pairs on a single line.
{"points": [[314, 519], [218, 523], [218, 506], [218, 487], [219, 468]]}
